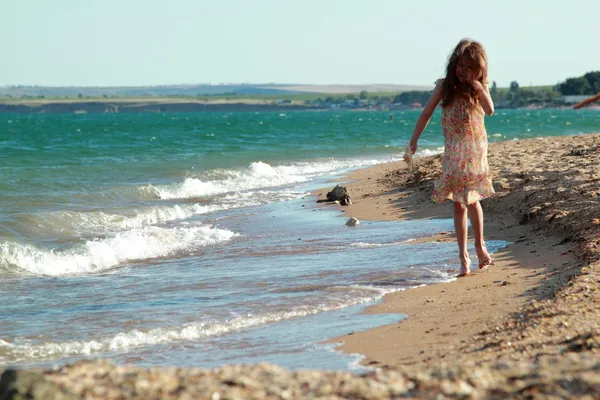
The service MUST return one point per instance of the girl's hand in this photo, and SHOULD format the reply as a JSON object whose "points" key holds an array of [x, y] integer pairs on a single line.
{"points": [[477, 86], [485, 98]]}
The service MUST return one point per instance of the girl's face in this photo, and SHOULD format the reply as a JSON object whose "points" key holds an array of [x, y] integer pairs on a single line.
{"points": [[464, 70]]}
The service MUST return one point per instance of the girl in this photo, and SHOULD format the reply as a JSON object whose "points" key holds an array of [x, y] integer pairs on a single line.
{"points": [[465, 177]]}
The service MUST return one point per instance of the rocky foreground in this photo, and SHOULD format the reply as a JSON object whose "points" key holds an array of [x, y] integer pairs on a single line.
{"points": [[554, 377], [550, 349]]}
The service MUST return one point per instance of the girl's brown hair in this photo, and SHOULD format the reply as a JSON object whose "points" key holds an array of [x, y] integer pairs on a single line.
{"points": [[472, 53]]}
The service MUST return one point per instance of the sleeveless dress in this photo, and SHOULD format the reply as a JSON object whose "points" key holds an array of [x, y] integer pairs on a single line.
{"points": [[465, 175]]}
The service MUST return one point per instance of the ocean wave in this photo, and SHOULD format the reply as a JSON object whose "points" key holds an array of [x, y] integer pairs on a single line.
{"points": [[93, 223], [429, 152], [72, 226], [17, 352], [258, 175], [99, 255]]}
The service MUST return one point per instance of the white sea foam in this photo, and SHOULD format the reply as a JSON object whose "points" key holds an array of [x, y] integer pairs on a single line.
{"points": [[136, 338], [429, 152], [101, 222], [99, 255], [94, 223], [258, 175], [75, 225], [363, 244]]}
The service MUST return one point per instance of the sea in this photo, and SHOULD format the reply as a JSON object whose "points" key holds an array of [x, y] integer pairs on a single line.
{"points": [[192, 239]]}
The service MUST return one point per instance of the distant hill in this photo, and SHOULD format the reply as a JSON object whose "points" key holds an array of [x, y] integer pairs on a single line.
{"points": [[342, 89], [20, 91]]}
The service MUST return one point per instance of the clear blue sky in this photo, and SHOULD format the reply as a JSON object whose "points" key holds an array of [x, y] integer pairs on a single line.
{"points": [[152, 42]]}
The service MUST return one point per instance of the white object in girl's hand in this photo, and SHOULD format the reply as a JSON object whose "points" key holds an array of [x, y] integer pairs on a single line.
{"points": [[408, 158]]}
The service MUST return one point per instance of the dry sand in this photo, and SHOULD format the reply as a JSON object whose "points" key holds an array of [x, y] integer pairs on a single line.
{"points": [[527, 327]]}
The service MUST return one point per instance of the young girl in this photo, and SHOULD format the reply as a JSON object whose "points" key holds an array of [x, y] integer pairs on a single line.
{"points": [[465, 178]]}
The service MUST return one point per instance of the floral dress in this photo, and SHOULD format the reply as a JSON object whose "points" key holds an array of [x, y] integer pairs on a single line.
{"points": [[465, 175]]}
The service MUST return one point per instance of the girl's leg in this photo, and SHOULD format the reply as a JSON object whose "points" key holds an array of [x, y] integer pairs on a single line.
{"points": [[476, 217], [460, 226]]}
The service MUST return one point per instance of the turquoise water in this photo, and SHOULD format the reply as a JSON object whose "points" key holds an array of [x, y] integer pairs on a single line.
{"points": [[190, 239]]}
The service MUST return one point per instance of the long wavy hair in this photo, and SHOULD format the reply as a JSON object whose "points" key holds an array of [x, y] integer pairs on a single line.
{"points": [[472, 53]]}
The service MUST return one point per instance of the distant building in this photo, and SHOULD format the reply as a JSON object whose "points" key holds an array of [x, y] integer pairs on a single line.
{"points": [[572, 99]]}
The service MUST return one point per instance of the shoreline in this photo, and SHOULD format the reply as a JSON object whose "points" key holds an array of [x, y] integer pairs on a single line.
{"points": [[537, 335]]}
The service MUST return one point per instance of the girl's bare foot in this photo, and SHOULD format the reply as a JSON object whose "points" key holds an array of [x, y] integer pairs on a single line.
{"points": [[465, 265], [483, 256]]}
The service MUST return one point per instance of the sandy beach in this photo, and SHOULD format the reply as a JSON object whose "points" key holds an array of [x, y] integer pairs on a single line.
{"points": [[547, 205], [526, 327]]}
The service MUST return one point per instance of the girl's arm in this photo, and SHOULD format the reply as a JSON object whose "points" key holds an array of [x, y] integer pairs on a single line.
{"points": [[484, 98], [425, 116]]}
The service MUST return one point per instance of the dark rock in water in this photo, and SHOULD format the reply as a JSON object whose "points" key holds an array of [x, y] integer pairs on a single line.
{"points": [[338, 193]]}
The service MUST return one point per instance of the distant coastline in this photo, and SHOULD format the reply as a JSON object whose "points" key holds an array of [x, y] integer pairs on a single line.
{"points": [[158, 105], [274, 97], [144, 106]]}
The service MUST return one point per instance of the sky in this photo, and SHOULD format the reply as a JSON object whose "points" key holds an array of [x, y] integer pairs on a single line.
{"points": [[159, 42]]}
